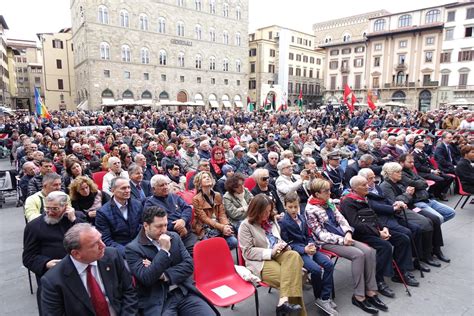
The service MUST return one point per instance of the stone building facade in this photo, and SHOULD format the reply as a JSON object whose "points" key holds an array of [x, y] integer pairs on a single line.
{"points": [[174, 53], [4, 73]]}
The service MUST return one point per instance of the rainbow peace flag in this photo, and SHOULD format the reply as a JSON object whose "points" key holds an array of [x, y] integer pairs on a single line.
{"points": [[41, 109]]}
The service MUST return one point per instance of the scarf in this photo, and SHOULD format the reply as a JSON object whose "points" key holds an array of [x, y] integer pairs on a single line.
{"points": [[354, 196], [318, 202], [267, 226], [84, 202]]}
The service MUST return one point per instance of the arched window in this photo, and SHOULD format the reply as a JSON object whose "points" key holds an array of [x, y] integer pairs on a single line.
{"points": [[212, 6], [181, 59], [180, 28], [238, 13], [103, 14], [145, 55], [432, 16], [198, 61], [212, 34], [400, 78], [143, 22], [328, 39], [162, 57], [212, 63], [198, 32], [404, 20], [225, 64], [124, 21], [161, 25], [225, 9], [127, 94], [238, 65], [198, 5], [237, 39], [126, 54], [379, 25], [225, 37], [107, 93], [346, 37], [181, 3], [146, 95], [164, 95], [399, 96], [104, 51]]}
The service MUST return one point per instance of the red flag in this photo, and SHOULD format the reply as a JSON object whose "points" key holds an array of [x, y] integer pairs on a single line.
{"points": [[370, 103], [347, 92], [353, 100]]}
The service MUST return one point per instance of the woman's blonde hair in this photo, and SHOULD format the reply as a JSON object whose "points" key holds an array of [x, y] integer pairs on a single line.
{"points": [[76, 184], [389, 168], [198, 179], [317, 185]]}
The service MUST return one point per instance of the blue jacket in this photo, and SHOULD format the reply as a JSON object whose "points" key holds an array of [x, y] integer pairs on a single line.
{"points": [[175, 207], [383, 207], [291, 233], [178, 268], [135, 193], [116, 231]]}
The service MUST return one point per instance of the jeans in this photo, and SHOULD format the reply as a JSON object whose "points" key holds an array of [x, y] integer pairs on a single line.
{"points": [[444, 212], [321, 280]]}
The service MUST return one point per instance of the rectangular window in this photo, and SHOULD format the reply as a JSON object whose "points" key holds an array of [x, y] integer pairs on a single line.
{"points": [[290, 87], [470, 13], [378, 47], [345, 51], [334, 52], [377, 61], [375, 82], [270, 35], [298, 87], [181, 78], [333, 64], [344, 80], [357, 82], [290, 71], [359, 49], [58, 44], [465, 55], [271, 68], [445, 57], [318, 61], [463, 80], [146, 76], [426, 79], [291, 56], [298, 72], [305, 59], [60, 84], [311, 60], [106, 73], [213, 80], [226, 81], [38, 79], [428, 57], [401, 59], [304, 72], [252, 67], [59, 64], [444, 80], [253, 52], [451, 16], [298, 57], [468, 32], [272, 53], [126, 74], [252, 84], [430, 40], [449, 35], [305, 88], [163, 77], [402, 44], [358, 62], [198, 80], [333, 83], [311, 73], [317, 74], [238, 82]]}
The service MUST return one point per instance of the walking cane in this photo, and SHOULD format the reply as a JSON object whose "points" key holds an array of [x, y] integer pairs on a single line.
{"points": [[417, 255]]}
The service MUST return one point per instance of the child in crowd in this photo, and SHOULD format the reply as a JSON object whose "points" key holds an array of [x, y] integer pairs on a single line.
{"points": [[294, 231]]}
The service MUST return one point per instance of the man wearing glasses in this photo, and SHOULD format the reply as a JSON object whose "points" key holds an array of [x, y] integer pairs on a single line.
{"points": [[43, 236]]}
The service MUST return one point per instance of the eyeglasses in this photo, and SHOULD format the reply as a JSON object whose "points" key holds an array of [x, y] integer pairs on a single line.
{"points": [[219, 153], [52, 208], [175, 168], [265, 178]]}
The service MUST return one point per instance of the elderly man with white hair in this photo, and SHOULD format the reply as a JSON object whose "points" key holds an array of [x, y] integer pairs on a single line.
{"points": [[288, 182], [178, 212], [390, 148], [115, 170]]}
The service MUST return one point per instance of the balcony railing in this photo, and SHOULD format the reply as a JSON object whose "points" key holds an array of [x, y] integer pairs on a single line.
{"points": [[401, 66], [345, 69]]}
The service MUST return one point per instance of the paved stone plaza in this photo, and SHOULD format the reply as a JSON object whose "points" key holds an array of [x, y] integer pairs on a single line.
{"points": [[448, 290]]}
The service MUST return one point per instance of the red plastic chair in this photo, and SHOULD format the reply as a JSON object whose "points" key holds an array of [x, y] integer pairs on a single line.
{"points": [[189, 175], [214, 267], [462, 193], [429, 182], [98, 178], [241, 262], [250, 183]]}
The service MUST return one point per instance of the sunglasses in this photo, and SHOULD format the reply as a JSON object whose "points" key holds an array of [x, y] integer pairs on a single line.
{"points": [[265, 178]]}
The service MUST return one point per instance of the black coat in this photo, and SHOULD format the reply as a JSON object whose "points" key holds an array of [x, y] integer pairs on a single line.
{"points": [[63, 292], [465, 172], [43, 242], [272, 193], [442, 158], [361, 217]]}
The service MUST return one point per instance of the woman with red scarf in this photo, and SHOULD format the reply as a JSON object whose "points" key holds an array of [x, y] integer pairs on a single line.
{"points": [[270, 258], [217, 162], [332, 231]]}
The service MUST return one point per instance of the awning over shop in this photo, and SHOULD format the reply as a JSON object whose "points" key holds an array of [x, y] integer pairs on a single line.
{"points": [[199, 103], [239, 104], [213, 103], [227, 104]]}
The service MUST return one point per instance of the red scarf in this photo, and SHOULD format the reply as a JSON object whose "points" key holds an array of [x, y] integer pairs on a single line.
{"points": [[266, 225], [315, 201], [217, 163], [354, 196]]}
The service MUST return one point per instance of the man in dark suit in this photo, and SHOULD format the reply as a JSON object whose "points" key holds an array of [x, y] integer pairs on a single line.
{"points": [[162, 268], [426, 170], [43, 236], [140, 189], [334, 174], [443, 155], [90, 281], [465, 169], [118, 220]]}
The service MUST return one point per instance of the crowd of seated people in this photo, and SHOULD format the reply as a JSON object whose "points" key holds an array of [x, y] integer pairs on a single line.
{"points": [[285, 188]]}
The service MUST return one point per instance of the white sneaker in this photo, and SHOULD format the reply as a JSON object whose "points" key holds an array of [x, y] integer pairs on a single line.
{"points": [[325, 305], [333, 304]]}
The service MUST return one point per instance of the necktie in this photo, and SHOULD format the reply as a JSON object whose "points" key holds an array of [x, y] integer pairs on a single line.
{"points": [[98, 300], [142, 193], [449, 154]]}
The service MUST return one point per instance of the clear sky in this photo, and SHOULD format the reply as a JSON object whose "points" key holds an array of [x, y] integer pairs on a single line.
{"points": [[25, 18]]}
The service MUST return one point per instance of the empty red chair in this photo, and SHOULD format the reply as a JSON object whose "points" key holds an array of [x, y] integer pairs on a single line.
{"points": [[98, 178], [462, 193], [214, 269]]}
